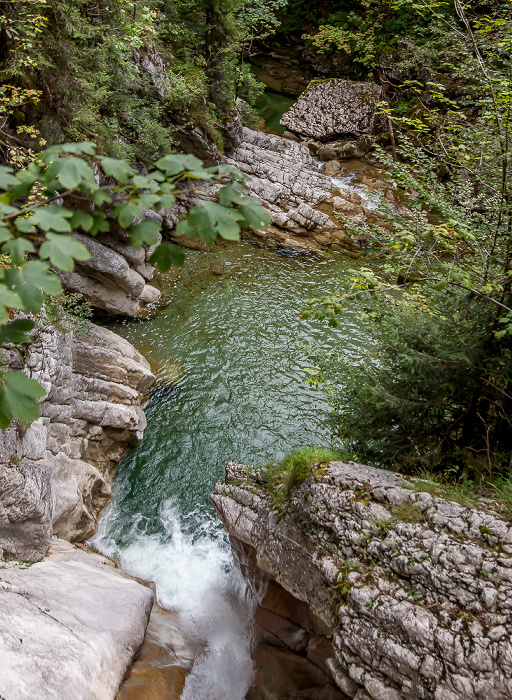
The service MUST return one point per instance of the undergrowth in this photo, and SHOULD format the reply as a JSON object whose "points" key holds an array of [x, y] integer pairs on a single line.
{"points": [[288, 474], [469, 493]]}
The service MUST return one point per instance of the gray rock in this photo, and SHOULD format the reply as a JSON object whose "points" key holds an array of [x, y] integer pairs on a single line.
{"points": [[333, 107], [69, 627], [419, 606], [26, 509], [91, 415]]}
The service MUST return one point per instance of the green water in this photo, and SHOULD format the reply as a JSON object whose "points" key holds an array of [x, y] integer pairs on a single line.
{"points": [[271, 106], [242, 394], [232, 342]]}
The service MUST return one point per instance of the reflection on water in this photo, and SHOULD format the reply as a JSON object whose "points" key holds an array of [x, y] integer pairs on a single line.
{"points": [[234, 350]]}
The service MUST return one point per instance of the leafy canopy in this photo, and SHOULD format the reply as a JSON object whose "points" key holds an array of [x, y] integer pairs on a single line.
{"points": [[58, 193]]}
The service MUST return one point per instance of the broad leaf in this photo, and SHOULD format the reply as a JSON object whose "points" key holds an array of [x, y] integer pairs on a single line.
{"points": [[145, 232], [73, 172], [100, 197], [255, 215], [82, 219], [232, 193], [126, 213], [166, 256], [63, 251], [178, 163], [16, 331], [52, 218], [17, 396], [17, 248], [100, 223], [118, 169], [6, 178]]}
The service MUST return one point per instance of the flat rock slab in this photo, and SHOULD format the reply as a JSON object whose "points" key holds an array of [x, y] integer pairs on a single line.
{"points": [[332, 107], [69, 627]]}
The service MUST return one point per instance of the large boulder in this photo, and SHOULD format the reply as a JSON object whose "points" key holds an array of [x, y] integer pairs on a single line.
{"points": [[416, 590], [69, 626], [334, 107]]}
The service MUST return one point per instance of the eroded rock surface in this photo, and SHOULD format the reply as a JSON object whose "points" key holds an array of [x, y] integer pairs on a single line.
{"points": [[59, 469], [417, 591], [332, 107], [69, 626]]}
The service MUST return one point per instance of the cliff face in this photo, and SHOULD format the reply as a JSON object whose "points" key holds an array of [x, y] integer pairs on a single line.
{"points": [[416, 591], [56, 474], [71, 623]]}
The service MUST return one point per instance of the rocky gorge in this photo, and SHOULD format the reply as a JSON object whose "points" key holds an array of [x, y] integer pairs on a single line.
{"points": [[367, 587]]}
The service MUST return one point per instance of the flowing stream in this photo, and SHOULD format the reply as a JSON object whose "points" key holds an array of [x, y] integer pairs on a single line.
{"points": [[230, 387]]}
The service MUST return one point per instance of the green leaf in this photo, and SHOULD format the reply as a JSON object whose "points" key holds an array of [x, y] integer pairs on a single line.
{"points": [[126, 213], [52, 218], [25, 224], [118, 169], [63, 251], [17, 248], [178, 163], [441, 285], [82, 219], [100, 197], [5, 234], [145, 232], [212, 219], [255, 215], [232, 193], [165, 202], [147, 201], [100, 223], [166, 256], [28, 282], [16, 331], [6, 178], [84, 147], [17, 395], [73, 172]]}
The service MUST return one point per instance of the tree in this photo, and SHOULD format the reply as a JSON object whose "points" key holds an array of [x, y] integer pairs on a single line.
{"points": [[436, 388], [58, 193]]}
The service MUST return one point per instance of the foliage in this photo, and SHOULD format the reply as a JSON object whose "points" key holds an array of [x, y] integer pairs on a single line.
{"points": [[58, 193], [288, 474], [435, 389]]}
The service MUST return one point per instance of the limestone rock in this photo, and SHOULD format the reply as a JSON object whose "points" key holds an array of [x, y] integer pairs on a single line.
{"points": [[92, 413], [333, 107], [69, 627], [26, 509], [411, 613]]}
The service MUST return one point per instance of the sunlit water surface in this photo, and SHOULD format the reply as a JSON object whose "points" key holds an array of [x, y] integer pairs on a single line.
{"points": [[232, 346]]}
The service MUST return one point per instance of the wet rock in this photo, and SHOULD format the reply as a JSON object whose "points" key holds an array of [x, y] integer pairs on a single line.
{"points": [[340, 151], [69, 627], [332, 168], [282, 674], [217, 268], [333, 107], [163, 662]]}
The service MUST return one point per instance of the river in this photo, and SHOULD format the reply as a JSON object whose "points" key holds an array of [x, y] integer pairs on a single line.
{"points": [[230, 386]]}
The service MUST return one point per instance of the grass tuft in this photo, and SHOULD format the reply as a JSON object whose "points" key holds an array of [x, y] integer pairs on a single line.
{"points": [[288, 474]]}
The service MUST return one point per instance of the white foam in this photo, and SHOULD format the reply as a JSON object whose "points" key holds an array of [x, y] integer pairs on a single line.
{"points": [[190, 561]]}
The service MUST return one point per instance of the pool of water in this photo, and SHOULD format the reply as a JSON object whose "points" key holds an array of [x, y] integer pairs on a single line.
{"points": [[230, 386], [271, 106]]}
